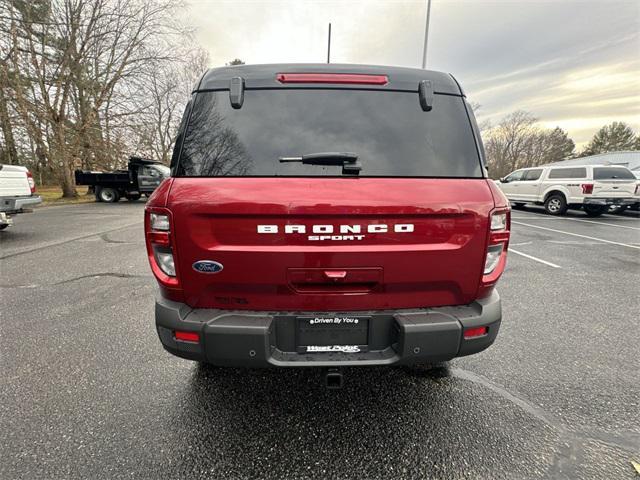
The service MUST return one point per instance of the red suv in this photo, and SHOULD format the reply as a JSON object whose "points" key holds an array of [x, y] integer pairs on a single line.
{"points": [[327, 215]]}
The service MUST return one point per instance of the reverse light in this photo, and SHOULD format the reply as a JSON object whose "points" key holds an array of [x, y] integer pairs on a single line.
{"points": [[587, 188], [493, 258], [498, 221], [164, 257], [159, 222], [193, 337], [475, 332], [32, 183], [341, 78]]}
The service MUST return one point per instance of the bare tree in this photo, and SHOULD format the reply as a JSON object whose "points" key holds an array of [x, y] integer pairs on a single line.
{"points": [[518, 142], [162, 103], [73, 67]]}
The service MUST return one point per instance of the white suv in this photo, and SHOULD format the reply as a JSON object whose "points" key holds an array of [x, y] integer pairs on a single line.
{"points": [[592, 187]]}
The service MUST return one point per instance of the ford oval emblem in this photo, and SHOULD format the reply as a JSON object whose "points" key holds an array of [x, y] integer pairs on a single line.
{"points": [[207, 266]]}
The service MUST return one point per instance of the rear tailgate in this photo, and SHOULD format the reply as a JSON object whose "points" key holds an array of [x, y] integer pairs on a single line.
{"points": [[613, 182], [330, 243], [14, 181], [614, 188]]}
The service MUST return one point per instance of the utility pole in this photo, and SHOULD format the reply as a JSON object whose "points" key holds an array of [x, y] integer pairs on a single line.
{"points": [[329, 45], [426, 35]]}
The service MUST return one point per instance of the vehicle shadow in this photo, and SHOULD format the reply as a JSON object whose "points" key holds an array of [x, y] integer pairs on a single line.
{"points": [[572, 213], [284, 422]]}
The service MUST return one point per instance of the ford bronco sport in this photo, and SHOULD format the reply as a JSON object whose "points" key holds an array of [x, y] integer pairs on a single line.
{"points": [[327, 215]]}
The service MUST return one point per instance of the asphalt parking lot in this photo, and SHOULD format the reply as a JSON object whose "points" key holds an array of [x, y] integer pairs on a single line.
{"points": [[88, 392]]}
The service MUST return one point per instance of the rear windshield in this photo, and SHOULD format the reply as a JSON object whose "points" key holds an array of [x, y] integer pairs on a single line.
{"points": [[388, 131], [609, 173]]}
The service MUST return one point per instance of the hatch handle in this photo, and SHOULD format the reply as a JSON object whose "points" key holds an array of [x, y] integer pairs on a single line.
{"points": [[335, 275]]}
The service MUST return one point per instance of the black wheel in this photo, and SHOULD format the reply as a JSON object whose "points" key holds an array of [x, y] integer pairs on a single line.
{"points": [[595, 210], [108, 195], [616, 209], [518, 205], [132, 197], [2, 227], [555, 204]]}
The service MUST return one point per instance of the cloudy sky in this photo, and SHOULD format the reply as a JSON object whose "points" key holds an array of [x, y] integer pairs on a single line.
{"points": [[574, 64]]}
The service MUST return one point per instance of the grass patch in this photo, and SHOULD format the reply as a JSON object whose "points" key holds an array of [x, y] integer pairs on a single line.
{"points": [[52, 195]]}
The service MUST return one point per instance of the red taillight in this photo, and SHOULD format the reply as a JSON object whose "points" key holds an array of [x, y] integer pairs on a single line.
{"points": [[343, 78], [475, 332], [193, 337], [496, 253], [159, 247], [159, 238], [587, 188], [32, 183]]}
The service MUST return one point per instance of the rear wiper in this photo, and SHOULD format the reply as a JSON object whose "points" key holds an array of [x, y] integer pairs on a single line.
{"points": [[349, 161]]}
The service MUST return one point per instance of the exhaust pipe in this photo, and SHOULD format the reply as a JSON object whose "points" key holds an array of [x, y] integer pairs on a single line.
{"points": [[334, 379]]}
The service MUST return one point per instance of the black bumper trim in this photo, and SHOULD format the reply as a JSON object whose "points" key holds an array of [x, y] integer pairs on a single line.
{"points": [[250, 339]]}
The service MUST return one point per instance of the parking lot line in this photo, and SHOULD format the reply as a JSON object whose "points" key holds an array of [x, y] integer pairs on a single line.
{"points": [[600, 223], [542, 216], [535, 259], [578, 235]]}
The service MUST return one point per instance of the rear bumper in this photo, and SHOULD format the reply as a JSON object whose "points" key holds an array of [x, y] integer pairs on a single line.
{"points": [[263, 339], [610, 201], [17, 204]]}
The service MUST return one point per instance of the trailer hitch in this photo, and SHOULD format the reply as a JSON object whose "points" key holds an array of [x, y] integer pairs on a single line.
{"points": [[334, 379]]}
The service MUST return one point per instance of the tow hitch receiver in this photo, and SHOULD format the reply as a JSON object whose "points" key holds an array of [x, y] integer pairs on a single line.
{"points": [[333, 378]]}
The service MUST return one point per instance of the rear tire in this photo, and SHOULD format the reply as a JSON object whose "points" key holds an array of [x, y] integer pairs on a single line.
{"points": [[108, 195], [555, 204], [595, 210], [2, 227], [518, 205]]}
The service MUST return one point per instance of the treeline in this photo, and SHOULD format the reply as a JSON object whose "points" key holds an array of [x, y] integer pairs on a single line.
{"points": [[518, 141], [86, 83]]}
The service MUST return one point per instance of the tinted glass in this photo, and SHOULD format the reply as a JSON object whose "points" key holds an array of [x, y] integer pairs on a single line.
{"points": [[568, 173], [389, 132], [515, 176], [531, 175], [609, 173]]}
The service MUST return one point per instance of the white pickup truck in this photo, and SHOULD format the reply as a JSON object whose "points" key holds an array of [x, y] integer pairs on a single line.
{"points": [[17, 193], [594, 188]]}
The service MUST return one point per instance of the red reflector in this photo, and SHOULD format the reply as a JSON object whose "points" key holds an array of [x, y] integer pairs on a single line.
{"points": [[353, 78], [187, 336], [475, 332], [159, 238], [587, 188]]}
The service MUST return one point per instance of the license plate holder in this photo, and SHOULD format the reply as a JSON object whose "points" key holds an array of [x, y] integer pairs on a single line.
{"points": [[332, 333]]}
